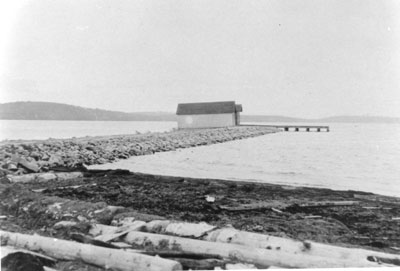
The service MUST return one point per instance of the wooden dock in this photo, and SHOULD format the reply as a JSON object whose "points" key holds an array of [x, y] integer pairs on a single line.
{"points": [[295, 128]]}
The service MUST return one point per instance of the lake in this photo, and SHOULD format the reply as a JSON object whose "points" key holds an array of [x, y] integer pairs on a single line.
{"points": [[352, 156]]}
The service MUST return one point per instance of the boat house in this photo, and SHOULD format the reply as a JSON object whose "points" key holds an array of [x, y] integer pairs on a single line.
{"points": [[208, 115]]}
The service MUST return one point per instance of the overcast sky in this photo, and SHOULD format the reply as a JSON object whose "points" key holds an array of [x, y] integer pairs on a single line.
{"points": [[308, 58]]}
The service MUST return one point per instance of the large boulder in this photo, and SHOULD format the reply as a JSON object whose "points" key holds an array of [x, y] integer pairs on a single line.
{"points": [[30, 166], [55, 160]]}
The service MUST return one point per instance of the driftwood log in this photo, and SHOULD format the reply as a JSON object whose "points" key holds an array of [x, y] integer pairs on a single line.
{"points": [[44, 177], [285, 245], [104, 257], [277, 206], [206, 264], [260, 257], [379, 198], [282, 251], [328, 203], [349, 256]]}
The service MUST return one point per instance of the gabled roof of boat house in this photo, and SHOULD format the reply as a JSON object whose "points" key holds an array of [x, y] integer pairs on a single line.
{"points": [[206, 108]]}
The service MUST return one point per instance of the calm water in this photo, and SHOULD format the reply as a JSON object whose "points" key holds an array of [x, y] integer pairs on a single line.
{"points": [[352, 156], [39, 129]]}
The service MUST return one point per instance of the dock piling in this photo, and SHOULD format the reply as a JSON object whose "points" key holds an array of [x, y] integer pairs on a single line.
{"points": [[297, 128]]}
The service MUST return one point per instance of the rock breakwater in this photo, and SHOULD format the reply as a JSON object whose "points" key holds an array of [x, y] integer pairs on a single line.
{"points": [[21, 157]]}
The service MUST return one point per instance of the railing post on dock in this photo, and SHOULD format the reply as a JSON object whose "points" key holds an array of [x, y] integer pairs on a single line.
{"points": [[302, 128]]}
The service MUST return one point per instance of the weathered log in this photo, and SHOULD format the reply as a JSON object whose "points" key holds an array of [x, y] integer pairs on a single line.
{"points": [[40, 190], [206, 264], [100, 229], [64, 224], [157, 226], [27, 178], [183, 229], [121, 245], [255, 206], [128, 222], [378, 198], [327, 204], [81, 238], [290, 246], [44, 177], [110, 233], [384, 260], [181, 254], [260, 257], [99, 256], [136, 215], [378, 238], [285, 245], [312, 216], [240, 266], [112, 236], [276, 210], [371, 207], [349, 257]]}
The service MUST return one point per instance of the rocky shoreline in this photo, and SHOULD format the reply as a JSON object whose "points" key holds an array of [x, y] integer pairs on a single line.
{"points": [[22, 157]]}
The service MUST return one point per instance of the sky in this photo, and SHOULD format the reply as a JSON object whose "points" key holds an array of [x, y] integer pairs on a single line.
{"points": [[299, 58]]}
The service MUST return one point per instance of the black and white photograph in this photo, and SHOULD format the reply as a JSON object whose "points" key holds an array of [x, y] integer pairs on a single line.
{"points": [[156, 135]]}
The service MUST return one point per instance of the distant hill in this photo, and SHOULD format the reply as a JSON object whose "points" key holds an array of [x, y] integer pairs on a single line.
{"points": [[264, 118], [335, 119], [58, 111]]}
